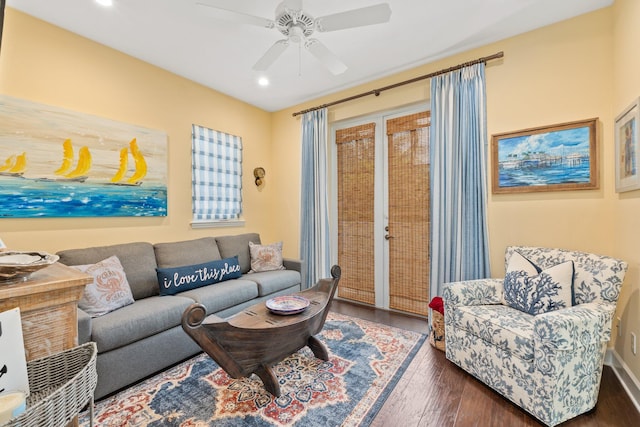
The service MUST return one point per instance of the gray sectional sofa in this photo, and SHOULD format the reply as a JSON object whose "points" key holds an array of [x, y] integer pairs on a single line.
{"points": [[145, 337]]}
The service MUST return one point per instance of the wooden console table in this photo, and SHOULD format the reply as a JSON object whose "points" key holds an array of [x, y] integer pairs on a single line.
{"points": [[48, 303], [254, 339]]}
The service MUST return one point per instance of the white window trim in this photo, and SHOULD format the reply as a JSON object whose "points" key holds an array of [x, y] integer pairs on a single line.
{"points": [[218, 223]]}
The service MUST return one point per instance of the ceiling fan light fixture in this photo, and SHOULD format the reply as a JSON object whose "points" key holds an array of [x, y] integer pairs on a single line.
{"points": [[296, 34], [297, 26]]}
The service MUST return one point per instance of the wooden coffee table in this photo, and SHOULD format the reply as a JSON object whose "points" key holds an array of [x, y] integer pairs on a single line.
{"points": [[255, 339]]}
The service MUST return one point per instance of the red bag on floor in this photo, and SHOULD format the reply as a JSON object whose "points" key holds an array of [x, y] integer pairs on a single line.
{"points": [[436, 336]]}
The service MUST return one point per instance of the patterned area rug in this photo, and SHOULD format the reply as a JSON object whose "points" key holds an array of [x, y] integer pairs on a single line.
{"points": [[366, 360]]}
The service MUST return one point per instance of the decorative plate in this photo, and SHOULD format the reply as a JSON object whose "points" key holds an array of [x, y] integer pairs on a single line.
{"points": [[287, 304], [16, 266]]}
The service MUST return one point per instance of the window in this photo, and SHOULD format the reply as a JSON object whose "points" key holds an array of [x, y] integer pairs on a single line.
{"points": [[216, 176]]}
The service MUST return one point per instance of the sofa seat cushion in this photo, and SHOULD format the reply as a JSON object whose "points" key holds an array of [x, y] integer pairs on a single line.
{"points": [[273, 281], [143, 318], [500, 325], [223, 295]]}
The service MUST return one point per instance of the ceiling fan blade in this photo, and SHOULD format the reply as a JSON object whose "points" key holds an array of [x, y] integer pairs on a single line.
{"points": [[376, 14], [293, 4], [271, 55], [325, 56], [233, 16]]}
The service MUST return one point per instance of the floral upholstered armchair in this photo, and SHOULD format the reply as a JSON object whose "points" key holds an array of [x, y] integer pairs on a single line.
{"points": [[538, 336]]}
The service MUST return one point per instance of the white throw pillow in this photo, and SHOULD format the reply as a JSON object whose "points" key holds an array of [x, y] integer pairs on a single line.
{"points": [[110, 289], [528, 289], [266, 257]]}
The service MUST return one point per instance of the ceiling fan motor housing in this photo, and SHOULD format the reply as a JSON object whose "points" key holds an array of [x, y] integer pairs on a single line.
{"points": [[293, 23], [296, 25]]}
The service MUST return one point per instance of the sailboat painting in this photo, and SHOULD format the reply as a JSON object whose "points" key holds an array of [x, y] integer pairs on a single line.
{"points": [[60, 163], [15, 165]]}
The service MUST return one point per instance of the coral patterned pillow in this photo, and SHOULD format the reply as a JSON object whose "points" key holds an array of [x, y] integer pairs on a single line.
{"points": [[532, 290], [266, 257], [110, 289]]}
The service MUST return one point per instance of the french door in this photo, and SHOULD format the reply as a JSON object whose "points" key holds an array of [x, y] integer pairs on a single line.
{"points": [[382, 210]]}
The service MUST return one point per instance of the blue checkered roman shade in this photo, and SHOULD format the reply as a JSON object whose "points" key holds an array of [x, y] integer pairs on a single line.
{"points": [[217, 175]]}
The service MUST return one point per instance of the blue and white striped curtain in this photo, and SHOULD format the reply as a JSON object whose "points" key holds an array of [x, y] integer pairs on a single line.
{"points": [[216, 175], [458, 135], [314, 212]]}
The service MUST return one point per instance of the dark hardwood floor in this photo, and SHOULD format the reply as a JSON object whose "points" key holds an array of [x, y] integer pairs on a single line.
{"points": [[435, 392]]}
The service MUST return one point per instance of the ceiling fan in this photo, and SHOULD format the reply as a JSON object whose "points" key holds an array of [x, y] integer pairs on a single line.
{"points": [[297, 26]]}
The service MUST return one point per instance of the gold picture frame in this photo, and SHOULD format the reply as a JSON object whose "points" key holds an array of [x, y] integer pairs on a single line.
{"points": [[548, 158]]}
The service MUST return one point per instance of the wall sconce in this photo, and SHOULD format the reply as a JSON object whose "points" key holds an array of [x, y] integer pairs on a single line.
{"points": [[259, 173]]}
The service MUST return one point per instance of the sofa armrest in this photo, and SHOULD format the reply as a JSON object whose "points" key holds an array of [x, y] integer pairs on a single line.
{"points": [[570, 328], [84, 327], [292, 264], [472, 292]]}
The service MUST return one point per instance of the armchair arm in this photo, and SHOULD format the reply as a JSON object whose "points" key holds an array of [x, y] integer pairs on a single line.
{"points": [[573, 327], [472, 292]]}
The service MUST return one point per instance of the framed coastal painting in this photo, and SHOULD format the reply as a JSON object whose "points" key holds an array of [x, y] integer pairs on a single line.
{"points": [[627, 152], [547, 158], [60, 163]]}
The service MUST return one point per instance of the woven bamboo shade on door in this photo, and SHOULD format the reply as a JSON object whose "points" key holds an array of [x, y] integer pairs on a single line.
{"points": [[409, 222], [356, 171]]}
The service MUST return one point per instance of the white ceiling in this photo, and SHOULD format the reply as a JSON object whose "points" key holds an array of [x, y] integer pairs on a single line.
{"points": [[177, 36]]}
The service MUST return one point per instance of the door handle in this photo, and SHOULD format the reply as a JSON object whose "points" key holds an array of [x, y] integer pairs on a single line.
{"points": [[387, 237]]}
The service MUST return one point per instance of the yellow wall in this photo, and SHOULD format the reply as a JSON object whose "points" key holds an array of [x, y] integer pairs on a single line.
{"points": [[560, 73], [46, 64], [581, 68], [626, 218], [556, 74]]}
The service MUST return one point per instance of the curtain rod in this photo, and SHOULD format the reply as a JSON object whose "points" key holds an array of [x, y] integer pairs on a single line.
{"points": [[376, 92]]}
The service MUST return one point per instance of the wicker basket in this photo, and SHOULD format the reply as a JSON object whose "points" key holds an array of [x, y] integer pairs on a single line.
{"points": [[436, 336], [61, 386]]}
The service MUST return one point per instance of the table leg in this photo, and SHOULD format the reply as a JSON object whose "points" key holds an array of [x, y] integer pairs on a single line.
{"points": [[269, 380], [318, 349]]}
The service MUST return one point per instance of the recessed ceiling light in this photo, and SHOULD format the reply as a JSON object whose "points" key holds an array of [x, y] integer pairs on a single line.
{"points": [[105, 2], [263, 81]]}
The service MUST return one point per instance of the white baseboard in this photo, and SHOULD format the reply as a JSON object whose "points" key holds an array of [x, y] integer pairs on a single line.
{"points": [[629, 382]]}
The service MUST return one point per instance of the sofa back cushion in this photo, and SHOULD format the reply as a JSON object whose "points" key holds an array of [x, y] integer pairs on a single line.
{"points": [[186, 252], [138, 261], [238, 245], [596, 277]]}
